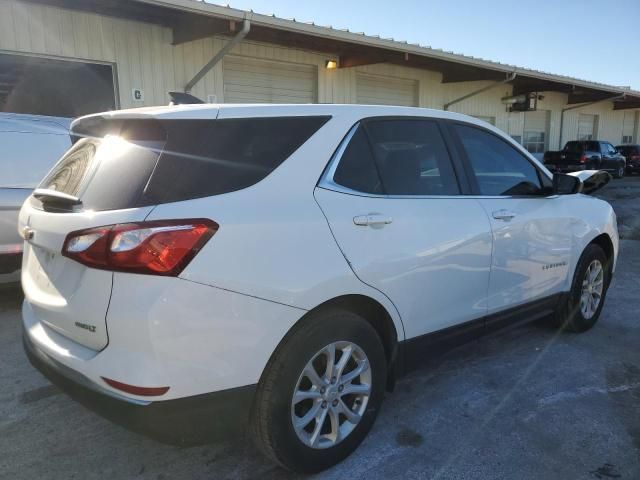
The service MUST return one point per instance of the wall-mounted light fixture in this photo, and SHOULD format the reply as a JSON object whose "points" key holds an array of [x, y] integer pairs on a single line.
{"points": [[331, 64]]}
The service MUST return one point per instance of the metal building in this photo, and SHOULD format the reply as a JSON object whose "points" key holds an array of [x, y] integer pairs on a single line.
{"points": [[71, 57]]}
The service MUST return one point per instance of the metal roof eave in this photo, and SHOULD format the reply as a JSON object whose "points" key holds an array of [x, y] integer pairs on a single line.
{"points": [[200, 7]]}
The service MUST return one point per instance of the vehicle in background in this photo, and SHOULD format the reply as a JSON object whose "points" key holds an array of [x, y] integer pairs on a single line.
{"points": [[30, 146], [632, 155], [586, 155], [282, 264]]}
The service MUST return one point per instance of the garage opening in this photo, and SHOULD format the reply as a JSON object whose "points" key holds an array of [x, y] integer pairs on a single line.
{"points": [[249, 80], [379, 90], [53, 87]]}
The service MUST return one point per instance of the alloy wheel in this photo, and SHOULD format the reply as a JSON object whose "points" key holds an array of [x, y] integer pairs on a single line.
{"points": [[331, 395], [592, 288]]}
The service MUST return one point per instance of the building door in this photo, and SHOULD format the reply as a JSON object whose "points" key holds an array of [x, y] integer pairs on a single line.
{"points": [[587, 126], [380, 90], [250, 80]]}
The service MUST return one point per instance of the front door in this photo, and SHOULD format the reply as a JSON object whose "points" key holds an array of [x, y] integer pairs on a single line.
{"points": [[394, 207], [532, 229]]}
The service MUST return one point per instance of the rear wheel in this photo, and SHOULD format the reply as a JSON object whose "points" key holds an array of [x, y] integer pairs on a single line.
{"points": [[582, 307], [321, 392]]}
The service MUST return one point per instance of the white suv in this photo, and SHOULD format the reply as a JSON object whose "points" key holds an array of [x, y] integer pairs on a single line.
{"points": [[199, 266]]}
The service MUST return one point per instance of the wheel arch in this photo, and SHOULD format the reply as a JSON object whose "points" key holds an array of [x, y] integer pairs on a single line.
{"points": [[371, 310], [604, 241]]}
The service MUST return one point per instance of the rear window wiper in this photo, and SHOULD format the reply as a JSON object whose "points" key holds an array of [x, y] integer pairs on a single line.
{"points": [[56, 200]]}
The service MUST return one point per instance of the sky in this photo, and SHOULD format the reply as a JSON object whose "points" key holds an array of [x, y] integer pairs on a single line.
{"points": [[595, 40]]}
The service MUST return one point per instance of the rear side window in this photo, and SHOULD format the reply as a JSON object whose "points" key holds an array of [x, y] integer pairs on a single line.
{"points": [[498, 167], [131, 163], [397, 157], [412, 157], [357, 169], [204, 158]]}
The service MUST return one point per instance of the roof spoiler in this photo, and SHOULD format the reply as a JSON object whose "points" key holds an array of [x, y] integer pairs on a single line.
{"points": [[181, 98]]}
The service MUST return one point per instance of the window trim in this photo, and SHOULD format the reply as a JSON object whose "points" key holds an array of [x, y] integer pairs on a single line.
{"points": [[474, 190], [327, 182]]}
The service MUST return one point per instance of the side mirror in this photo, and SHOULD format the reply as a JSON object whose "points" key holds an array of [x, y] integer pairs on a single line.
{"points": [[566, 184], [591, 180]]}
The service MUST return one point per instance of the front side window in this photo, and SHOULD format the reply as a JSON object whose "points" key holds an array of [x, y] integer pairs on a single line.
{"points": [[498, 167]]}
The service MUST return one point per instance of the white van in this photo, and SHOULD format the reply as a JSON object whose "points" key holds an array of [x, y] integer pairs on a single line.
{"points": [[29, 146]]}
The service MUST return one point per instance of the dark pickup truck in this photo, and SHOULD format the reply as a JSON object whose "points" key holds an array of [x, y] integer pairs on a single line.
{"points": [[586, 155]]}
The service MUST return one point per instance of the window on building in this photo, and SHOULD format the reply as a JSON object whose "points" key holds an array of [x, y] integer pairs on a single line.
{"points": [[59, 88], [534, 142]]}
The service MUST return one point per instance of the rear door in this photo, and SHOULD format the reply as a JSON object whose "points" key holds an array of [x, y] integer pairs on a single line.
{"points": [[532, 230], [393, 203]]}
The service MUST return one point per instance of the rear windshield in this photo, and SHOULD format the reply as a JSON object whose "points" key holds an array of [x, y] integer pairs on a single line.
{"points": [[582, 147], [134, 163]]}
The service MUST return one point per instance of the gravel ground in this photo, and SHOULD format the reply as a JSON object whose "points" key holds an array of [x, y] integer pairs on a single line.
{"points": [[527, 403]]}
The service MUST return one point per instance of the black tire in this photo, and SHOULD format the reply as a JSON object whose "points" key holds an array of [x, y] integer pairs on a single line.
{"points": [[271, 420], [568, 315], [619, 172]]}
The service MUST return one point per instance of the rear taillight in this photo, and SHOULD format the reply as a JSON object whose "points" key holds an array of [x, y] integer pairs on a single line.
{"points": [[635, 157], [583, 159], [163, 247]]}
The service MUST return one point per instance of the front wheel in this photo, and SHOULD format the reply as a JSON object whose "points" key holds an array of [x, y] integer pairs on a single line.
{"points": [[582, 307], [321, 392], [619, 172]]}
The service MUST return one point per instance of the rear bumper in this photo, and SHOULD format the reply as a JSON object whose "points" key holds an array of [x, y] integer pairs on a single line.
{"points": [[184, 421]]}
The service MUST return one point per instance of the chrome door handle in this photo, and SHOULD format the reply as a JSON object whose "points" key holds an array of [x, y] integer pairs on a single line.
{"points": [[503, 215], [372, 220]]}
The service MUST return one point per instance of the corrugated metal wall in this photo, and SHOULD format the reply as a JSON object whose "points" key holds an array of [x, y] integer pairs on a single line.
{"points": [[144, 58]]}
